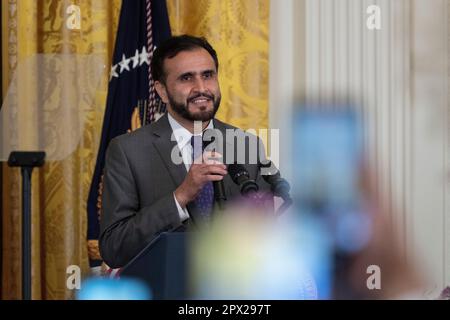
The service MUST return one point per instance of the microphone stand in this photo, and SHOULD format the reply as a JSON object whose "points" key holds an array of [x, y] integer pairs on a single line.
{"points": [[27, 161]]}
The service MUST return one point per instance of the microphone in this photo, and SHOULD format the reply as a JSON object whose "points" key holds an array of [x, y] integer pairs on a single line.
{"points": [[241, 177], [219, 189]]}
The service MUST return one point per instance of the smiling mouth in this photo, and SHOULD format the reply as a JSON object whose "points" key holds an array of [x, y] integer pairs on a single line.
{"points": [[200, 100]]}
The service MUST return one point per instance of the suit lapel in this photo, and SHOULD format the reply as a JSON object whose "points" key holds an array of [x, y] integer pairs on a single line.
{"points": [[165, 145], [227, 145]]}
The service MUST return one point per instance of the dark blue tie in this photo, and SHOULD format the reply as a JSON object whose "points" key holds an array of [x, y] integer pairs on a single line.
{"points": [[205, 198]]}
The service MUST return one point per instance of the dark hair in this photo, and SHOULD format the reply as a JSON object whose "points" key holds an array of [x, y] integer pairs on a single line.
{"points": [[173, 46]]}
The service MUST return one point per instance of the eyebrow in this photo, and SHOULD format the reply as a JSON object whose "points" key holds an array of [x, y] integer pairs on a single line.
{"points": [[191, 73]]}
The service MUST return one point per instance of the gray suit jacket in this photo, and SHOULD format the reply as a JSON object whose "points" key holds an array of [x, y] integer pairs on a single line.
{"points": [[139, 181]]}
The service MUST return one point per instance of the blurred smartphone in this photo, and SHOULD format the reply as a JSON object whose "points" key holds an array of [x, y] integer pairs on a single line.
{"points": [[328, 155]]}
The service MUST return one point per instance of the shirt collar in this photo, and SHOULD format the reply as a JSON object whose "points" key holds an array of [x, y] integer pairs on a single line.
{"points": [[181, 134]]}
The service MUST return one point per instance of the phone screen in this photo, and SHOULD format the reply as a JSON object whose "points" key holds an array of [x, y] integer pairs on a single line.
{"points": [[327, 154]]}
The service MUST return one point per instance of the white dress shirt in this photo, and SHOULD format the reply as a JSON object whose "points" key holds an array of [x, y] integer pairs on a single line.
{"points": [[183, 138]]}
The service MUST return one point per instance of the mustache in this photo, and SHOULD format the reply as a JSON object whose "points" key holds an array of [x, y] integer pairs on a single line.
{"points": [[204, 95]]}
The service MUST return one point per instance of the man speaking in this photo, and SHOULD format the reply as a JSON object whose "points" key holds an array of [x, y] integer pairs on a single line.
{"points": [[145, 190]]}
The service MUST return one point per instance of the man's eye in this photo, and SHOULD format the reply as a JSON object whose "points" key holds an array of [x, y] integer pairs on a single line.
{"points": [[186, 78], [208, 75]]}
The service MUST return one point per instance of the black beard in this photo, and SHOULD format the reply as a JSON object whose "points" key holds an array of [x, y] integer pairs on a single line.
{"points": [[183, 110]]}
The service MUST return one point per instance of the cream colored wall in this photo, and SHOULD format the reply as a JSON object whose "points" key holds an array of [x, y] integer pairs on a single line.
{"points": [[322, 49], [430, 214]]}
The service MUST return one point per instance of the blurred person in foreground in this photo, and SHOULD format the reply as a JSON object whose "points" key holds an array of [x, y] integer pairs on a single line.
{"points": [[336, 189]]}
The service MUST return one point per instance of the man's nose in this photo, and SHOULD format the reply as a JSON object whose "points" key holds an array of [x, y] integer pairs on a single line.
{"points": [[199, 85]]}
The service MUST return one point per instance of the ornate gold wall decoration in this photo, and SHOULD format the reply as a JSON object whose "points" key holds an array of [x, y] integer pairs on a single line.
{"points": [[60, 188]]}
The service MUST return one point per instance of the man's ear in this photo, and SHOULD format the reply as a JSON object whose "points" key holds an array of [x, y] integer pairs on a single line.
{"points": [[161, 90]]}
